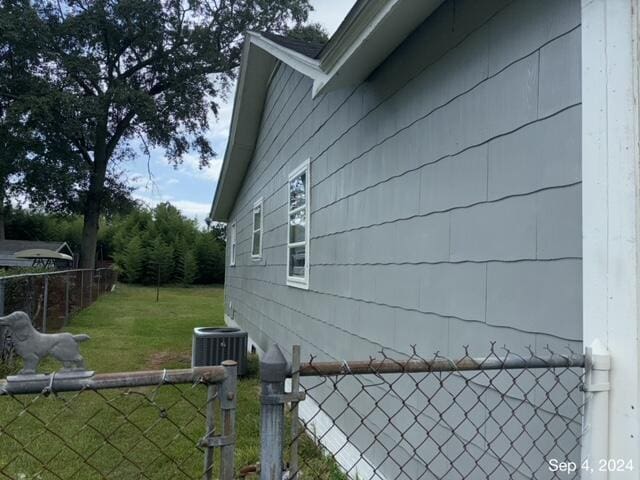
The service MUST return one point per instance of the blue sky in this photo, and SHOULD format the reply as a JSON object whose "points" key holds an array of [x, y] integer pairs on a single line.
{"points": [[187, 187]]}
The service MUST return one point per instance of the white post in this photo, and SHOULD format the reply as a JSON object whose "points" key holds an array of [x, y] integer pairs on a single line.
{"points": [[610, 211], [595, 428]]}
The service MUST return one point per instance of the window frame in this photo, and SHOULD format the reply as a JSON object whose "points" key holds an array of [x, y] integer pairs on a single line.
{"points": [[294, 281], [258, 204], [233, 244]]}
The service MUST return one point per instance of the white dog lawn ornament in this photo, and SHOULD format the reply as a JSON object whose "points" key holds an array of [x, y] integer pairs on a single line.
{"points": [[33, 346]]}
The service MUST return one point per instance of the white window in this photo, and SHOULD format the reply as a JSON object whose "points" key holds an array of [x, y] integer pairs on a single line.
{"points": [[298, 227], [256, 241], [232, 243]]}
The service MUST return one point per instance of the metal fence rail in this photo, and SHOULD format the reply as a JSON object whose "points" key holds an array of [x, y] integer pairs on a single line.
{"points": [[152, 425], [494, 417]]}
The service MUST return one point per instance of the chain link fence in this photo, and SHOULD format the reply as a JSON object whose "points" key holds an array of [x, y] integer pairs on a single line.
{"points": [[151, 425], [501, 416], [50, 298]]}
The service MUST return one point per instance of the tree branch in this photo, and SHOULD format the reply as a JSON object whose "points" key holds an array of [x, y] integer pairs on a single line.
{"points": [[120, 129], [149, 61], [82, 150]]}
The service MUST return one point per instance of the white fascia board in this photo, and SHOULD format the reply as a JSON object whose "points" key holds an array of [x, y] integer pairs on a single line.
{"points": [[378, 29], [256, 68], [259, 56], [303, 64], [367, 37]]}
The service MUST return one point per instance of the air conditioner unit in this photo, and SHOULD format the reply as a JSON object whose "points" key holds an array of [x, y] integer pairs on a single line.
{"points": [[214, 345]]}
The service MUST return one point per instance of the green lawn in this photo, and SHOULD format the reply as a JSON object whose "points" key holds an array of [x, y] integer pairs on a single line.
{"points": [[131, 331]]}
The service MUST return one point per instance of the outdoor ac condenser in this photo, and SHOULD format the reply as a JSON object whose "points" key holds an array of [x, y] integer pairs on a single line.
{"points": [[214, 345]]}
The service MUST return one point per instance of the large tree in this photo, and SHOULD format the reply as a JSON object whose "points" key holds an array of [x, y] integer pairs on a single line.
{"points": [[115, 71], [18, 57]]}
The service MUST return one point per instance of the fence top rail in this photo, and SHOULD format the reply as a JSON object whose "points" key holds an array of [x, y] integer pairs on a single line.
{"points": [[53, 272], [64, 382], [439, 364]]}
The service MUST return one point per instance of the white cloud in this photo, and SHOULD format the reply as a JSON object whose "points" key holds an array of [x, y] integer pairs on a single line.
{"points": [[192, 166], [330, 13], [188, 208], [219, 128], [193, 209], [152, 200]]}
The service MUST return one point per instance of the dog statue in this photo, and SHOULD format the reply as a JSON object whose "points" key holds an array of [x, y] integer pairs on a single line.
{"points": [[33, 346]]}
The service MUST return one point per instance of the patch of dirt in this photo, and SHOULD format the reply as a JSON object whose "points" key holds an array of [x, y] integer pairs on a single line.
{"points": [[169, 360]]}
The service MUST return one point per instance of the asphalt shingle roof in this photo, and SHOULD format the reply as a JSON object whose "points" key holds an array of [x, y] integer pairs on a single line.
{"points": [[309, 49], [13, 246]]}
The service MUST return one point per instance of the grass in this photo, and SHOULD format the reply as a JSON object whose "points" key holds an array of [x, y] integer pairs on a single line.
{"points": [[131, 331]]}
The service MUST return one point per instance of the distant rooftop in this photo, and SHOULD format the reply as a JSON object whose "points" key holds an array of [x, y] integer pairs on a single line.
{"points": [[13, 246], [308, 49], [9, 248]]}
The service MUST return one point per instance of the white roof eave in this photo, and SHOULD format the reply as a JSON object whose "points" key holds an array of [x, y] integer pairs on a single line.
{"points": [[373, 30]]}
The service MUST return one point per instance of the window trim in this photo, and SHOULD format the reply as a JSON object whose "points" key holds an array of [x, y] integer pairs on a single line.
{"points": [[233, 245], [300, 282], [258, 203]]}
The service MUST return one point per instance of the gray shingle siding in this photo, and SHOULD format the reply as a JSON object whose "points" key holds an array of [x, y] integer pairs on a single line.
{"points": [[446, 200], [445, 192]]}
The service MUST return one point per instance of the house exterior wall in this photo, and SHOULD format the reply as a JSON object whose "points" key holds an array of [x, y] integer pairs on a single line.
{"points": [[445, 200]]}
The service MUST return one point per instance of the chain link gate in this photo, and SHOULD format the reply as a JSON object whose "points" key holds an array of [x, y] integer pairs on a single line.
{"points": [[152, 425], [495, 417]]}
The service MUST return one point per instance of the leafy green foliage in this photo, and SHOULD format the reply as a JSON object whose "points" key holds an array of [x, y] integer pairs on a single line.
{"points": [[103, 73], [160, 264], [143, 243], [209, 253], [189, 268], [162, 244], [312, 32], [132, 260]]}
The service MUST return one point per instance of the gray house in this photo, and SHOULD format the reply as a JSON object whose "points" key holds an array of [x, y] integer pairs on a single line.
{"points": [[418, 180], [428, 192]]}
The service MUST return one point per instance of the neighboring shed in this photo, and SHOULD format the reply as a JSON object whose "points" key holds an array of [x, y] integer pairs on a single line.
{"points": [[9, 248]]}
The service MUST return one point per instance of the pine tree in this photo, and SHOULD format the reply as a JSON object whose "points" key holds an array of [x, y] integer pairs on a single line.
{"points": [[189, 268], [133, 260], [161, 265]]}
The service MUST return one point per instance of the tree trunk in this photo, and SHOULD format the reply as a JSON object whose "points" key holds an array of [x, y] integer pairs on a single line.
{"points": [[93, 205], [2, 211], [90, 230]]}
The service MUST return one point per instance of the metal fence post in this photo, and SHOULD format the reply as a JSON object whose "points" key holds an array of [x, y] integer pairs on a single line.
{"points": [[30, 298], [81, 289], [3, 330], [66, 300], [212, 392], [91, 273], [228, 399], [595, 425], [273, 373], [1, 297], [295, 434], [45, 304]]}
